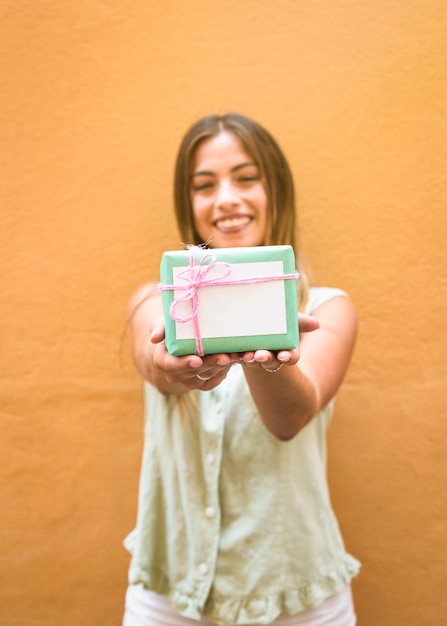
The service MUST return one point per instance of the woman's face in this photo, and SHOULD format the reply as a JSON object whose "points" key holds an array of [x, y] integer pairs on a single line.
{"points": [[228, 194]]}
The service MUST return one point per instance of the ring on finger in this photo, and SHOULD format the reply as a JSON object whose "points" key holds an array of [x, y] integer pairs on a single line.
{"points": [[276, 369], [204, 378]]}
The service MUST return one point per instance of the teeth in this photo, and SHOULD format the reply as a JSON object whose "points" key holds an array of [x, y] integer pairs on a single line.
{"points": [[232, 222]]}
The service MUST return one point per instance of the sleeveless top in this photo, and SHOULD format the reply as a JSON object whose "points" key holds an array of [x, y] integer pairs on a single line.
{"points": [[232, 523]]}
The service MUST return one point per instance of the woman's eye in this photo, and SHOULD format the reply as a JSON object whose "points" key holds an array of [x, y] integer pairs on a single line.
{"points": [[202, 186], [248, 179]]}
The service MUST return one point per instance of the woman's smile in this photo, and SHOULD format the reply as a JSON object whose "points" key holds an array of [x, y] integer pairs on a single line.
{"points": [[233, 223]]}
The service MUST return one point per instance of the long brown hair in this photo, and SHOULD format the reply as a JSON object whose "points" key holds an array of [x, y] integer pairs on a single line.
{"points": [[274, 168]]}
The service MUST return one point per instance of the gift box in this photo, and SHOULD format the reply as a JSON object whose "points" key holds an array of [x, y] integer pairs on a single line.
{"points": [[229, 299]]}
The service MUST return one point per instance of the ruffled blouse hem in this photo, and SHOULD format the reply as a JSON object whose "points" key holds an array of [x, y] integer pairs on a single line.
{"points": [[239, 611]]}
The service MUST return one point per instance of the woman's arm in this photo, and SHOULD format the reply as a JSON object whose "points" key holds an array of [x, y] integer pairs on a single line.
{"points": [[289, 398]]}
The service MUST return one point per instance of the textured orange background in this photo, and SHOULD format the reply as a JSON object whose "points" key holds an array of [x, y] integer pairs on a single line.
{"points": [[95, 96]]}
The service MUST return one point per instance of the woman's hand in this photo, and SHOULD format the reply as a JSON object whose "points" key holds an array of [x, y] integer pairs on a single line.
{"points": [[169, 374], [187, 372], [177, 375], [272, 362], [206, 373]]}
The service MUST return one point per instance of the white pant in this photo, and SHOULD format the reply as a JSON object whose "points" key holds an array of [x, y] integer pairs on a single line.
{"points": [[146, 608]]}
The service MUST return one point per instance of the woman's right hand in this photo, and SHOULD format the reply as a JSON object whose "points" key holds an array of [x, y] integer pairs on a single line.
{"points": [[168, 373], [172, 374]]}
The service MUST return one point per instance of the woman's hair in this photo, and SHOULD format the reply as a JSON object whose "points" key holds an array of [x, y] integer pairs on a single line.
{"points": [[274, 168]]}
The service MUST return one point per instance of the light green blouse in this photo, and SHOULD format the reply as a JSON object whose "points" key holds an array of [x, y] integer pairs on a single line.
{"points": [[232, 523]]}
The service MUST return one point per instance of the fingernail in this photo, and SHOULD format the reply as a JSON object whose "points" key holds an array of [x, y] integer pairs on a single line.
{"points": [[283, 358]]}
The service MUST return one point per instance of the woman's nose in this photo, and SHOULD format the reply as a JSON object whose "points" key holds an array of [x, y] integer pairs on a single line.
{"points": [[226, 196]]}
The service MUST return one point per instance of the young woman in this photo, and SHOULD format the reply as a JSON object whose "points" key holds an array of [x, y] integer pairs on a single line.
{"points": [[235, 524]]}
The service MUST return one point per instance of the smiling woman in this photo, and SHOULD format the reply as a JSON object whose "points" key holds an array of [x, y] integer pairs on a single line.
{"points": [[235, 523], [228, 194], [255, 146]]}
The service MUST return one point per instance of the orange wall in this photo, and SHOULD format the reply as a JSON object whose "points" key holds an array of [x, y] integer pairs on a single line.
{"points": [[95, 96]]}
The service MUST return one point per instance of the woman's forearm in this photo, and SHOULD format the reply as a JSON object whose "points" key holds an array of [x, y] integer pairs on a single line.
{"points": [[286, 400]]}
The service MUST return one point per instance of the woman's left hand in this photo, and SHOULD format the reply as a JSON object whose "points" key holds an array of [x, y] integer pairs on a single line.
{"points": [[272, 362]]}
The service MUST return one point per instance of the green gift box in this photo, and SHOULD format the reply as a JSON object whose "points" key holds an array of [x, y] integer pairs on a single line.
{"points": [[229, 299]]}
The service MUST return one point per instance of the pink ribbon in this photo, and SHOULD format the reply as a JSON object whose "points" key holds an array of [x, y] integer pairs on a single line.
{"points": [[197, 276]]}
